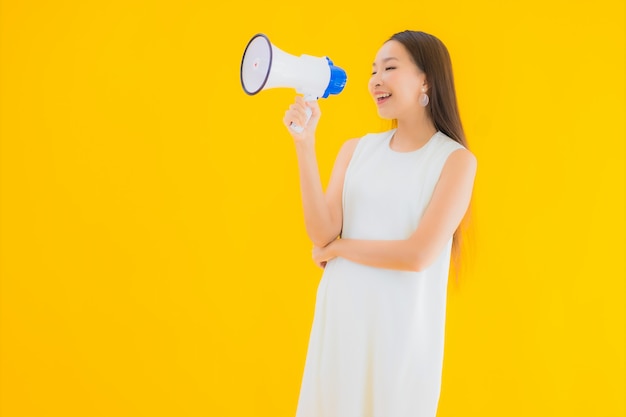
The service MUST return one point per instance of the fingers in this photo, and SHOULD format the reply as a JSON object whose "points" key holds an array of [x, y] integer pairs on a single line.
{"points": [[319, 257], [315, 108], [297, 114]]}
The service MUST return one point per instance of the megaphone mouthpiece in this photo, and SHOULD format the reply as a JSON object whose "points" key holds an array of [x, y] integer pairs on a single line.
{"points": [[256, 64]]}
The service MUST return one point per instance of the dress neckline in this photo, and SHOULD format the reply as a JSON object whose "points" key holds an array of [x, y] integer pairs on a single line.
{"points": [[415, 151]]}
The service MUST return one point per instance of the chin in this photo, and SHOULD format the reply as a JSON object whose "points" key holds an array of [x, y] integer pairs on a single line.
{"points": [[385, 115]]}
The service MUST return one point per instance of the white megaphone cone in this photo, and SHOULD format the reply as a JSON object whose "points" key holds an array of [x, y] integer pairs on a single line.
{"points": [[265, 66]]}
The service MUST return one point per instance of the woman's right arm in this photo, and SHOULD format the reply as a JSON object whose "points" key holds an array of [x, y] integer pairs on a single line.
{"points": [[322, 211]]}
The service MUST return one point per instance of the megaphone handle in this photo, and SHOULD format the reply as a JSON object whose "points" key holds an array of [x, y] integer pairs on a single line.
{"points": [[299, 129]]}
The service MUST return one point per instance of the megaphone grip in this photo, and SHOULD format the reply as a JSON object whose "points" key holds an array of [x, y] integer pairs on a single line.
{"points": [[299, 129]]}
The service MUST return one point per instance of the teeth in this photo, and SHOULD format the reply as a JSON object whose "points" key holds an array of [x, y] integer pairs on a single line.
{"points": [[379, 96]]}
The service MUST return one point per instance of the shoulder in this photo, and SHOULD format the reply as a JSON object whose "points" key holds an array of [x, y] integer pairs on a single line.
{"points": [[350, 146], [460, 163], [455, 152], [455, 159], [462, 156], [347, 150]]}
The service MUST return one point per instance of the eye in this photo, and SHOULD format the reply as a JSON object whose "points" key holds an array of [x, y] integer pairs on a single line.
{"points": [[374, 73], [389, 68]]}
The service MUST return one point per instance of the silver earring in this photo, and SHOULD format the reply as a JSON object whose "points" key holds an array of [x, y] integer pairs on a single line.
{"points": [[423, 98]]}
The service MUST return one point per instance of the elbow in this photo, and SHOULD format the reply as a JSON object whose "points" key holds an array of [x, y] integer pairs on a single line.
{"points": [[419, 263], [321, 237], [322, 240], [420, 257], [415, 266]]}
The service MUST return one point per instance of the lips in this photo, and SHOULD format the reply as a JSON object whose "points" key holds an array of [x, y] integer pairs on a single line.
{"points": [[382, 97]]}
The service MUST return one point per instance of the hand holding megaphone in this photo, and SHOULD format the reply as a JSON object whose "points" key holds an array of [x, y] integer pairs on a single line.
{"points": [[302, 117], [265, 66], [307, 110]]}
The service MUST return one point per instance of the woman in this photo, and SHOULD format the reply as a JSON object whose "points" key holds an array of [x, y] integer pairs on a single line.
{"points": [[383, 232]]}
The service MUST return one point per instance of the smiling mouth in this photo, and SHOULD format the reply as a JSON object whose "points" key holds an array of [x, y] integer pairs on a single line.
{"points": [[382, 98]]}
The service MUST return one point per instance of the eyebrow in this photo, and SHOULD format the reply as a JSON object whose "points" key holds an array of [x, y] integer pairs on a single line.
{"points": [[387, 59]]}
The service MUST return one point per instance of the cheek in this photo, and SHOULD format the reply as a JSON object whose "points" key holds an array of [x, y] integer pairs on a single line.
{"points": [[398, 81], [410, 88], [398, 86]]}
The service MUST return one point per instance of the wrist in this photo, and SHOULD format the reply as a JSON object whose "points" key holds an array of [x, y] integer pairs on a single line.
{"points": [[305, 143], [333, 248]]}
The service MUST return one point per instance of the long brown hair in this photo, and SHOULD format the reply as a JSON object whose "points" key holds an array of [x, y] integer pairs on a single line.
{"points": [[432, 58]]}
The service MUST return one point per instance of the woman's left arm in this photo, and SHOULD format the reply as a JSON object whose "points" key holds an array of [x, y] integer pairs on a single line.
{"points": [[443, 215]]}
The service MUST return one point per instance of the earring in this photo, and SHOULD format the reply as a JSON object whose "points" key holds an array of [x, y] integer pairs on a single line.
{"points": [[423, 98]]}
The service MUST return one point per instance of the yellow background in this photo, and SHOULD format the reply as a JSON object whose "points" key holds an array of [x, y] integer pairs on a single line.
{"points": [[153, 255]]}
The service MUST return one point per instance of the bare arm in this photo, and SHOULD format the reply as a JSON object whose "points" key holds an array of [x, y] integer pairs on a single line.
{"points": [[322, 211], [441, 218]]}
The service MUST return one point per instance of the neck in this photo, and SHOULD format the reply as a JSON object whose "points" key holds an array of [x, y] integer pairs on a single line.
{"points": [[413, 133]]}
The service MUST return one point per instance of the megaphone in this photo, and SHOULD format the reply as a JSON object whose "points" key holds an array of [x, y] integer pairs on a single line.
{"points": [[265, 66]]}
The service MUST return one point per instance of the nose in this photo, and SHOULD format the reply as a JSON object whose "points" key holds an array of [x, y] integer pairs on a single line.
{"points": [[375, 81]]}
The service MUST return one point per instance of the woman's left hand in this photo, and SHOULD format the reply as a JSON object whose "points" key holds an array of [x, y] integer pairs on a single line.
{"points": [[322, 255]]}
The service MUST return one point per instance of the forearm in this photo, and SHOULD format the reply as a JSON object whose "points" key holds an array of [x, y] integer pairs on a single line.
{"points": [[320, 225], [389, 254]]}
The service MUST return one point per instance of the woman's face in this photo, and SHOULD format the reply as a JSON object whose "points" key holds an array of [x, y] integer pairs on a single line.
{"points": [[396, 82]]}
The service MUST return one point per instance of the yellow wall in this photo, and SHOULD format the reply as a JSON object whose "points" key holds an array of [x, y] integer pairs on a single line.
{"points": [[153, 255]]}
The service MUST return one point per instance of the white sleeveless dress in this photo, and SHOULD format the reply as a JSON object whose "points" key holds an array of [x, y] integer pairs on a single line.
{"points": [[376, 343]]}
